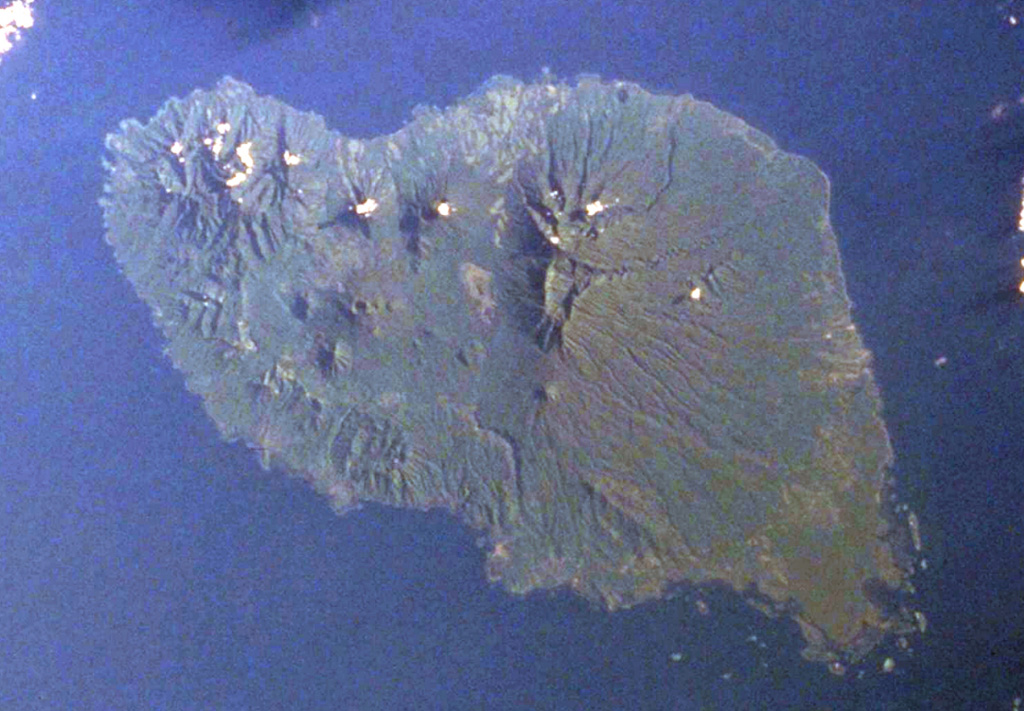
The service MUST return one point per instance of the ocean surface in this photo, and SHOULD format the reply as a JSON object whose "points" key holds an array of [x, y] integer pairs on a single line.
{"points": [[147, 564]]}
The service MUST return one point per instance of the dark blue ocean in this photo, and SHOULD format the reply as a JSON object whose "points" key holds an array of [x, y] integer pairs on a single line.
{"points": [[147, 564]]}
